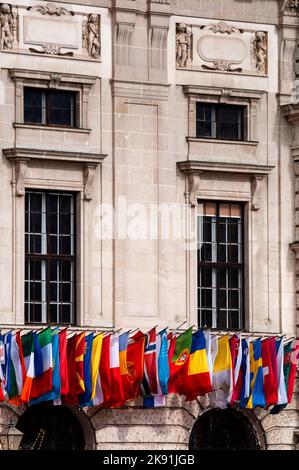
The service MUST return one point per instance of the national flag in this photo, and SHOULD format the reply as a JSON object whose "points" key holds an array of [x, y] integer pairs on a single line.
{"points": [[257, 395], [116, 393], [236, 353], [149, 383], [2, 370], [16, 377], [42, 381], [282, 392], [179, 349], [95, 362], [208, 339], [103, 386], [162, 363], [54, 394], [125, 379], [270, 371], [245, 370], [152, 401], [135, 363], [75, 356], [63, 363], [197, 381], [84, 398], [28, 350], [291, 356], [222, 375]]}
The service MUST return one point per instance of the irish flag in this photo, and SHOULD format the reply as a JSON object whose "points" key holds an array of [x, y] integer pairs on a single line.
{"points": [[28, 351]]}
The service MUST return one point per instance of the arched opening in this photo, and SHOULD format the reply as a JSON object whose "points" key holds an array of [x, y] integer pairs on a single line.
{"points": [[226, 429], [48, 427]]}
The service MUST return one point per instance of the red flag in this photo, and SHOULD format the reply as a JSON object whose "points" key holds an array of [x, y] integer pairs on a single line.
{"points": [[116, 395], [179, 351], [75, 355], [135, 363], [270, 371], [123, 348], [79, 359], [149, 383], [21, 354], [63, 363], [292, 360]]}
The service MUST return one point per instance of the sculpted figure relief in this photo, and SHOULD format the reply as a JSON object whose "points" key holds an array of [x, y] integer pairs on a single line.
{"points": [[6, 22], [183, 45], [260, 51], [92, 36]]}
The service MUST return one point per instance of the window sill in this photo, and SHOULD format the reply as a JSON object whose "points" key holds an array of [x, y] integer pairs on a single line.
{"points": [[249, 143], [51, 128]]}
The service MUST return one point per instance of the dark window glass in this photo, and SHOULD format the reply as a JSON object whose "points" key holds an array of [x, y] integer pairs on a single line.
{"points": [[50, 260], [220, 121], [49, 107], [220, 265]]}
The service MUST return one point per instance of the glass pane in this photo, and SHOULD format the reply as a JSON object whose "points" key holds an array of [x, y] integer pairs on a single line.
{"points": [[54, 313], [233, 320], [53, 292], [65, 224], [221, 320], [53, 244], [53, 270], [37, 313], [33, 96], [65, 314], [65, 271], [65, 292], [206, 318], [33, 115], [60, 117]]}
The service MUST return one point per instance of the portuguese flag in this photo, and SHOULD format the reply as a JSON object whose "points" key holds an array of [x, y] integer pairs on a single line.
{"points": [[179, 352]]}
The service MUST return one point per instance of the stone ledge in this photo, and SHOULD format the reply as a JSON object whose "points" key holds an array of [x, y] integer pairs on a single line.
{"points": [[51, 128]]}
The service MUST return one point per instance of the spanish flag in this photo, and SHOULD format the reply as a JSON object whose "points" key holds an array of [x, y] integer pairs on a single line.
{"points": [[198, 380]]}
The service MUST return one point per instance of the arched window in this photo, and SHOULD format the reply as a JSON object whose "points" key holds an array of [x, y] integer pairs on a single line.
{"points": [[48, 427], [223, 429]]}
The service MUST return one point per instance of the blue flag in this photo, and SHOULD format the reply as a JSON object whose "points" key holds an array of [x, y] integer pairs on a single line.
{"points": [[84, 398], [55, 392], [245, 370], [163, 365], [257, 396]]}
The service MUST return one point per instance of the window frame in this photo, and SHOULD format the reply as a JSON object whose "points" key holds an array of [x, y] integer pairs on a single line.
{"points": [[58, 257], [45, 92], [224, 265], [215, 109]]}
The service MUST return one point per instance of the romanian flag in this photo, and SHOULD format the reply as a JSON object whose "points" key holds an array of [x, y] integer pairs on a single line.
{"points": [[270, 371], [198, 380], [103, 386], [179, 351], [222, 375], [95, 362], [135, 363], [257, 395], [42, 381], [124, 373], [84, 398]]}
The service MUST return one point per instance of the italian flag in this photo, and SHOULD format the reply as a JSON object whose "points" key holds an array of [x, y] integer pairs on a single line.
{"points": [[37, 351]]}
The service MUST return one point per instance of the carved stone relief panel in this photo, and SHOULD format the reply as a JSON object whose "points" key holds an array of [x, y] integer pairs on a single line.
{"points": [[9, 26], [290, 8], [50, 29], [221, 47]]}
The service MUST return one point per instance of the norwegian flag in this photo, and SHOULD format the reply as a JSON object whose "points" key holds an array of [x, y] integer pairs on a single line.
{"points": [[149, 383]]}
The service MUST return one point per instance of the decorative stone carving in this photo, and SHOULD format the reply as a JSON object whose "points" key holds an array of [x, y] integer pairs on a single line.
{"points": [[225, 95], [8, 29], [158, 46], [88, 178], [20, 173], [55, 80], [223, 66], [50, 9], [183, 45], [51, 49], [193, 188], [290, 8], [222, 28], [91, 36], [256, 182], [124, 31], [260, 51]]}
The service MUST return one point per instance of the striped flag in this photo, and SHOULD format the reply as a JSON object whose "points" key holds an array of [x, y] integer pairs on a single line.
{"points": [[149, 383]]}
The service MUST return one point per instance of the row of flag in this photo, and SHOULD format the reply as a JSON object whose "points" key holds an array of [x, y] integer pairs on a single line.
{"points": [[110, 369]]}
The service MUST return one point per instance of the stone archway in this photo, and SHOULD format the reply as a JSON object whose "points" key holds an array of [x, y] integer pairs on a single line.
{"points": [[48, 427], [227, 429]]}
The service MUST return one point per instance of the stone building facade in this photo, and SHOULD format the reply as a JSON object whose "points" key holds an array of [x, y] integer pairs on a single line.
{"points": [[139, 68]]}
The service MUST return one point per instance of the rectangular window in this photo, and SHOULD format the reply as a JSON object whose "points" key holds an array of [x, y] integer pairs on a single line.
{"points": [[49, 107], [216, 121], [220, 265], [50, 257]]}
